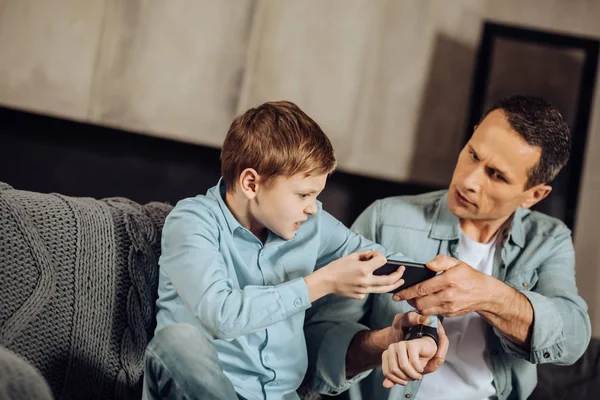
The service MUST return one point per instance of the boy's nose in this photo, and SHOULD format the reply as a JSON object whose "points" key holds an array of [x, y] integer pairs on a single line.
{"points": [[311, 209]]}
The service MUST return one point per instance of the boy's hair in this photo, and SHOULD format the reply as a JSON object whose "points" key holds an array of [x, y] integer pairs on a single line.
{"points": [[276, 139]]}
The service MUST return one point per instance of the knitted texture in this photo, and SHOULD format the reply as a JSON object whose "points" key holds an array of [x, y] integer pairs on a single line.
{"points": [[78, 283]]}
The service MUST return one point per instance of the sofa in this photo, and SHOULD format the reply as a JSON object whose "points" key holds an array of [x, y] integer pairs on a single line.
{"points": [[78, 283]]}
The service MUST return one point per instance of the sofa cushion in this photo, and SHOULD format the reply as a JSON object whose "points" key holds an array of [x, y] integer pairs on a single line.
{"points": [[78, 283]]}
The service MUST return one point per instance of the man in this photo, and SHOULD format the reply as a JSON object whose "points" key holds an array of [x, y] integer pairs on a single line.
{"points": [[510, 303]]}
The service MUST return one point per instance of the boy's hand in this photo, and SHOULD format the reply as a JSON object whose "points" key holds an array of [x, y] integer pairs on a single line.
{"points": [[352, 276], [408, 360]]}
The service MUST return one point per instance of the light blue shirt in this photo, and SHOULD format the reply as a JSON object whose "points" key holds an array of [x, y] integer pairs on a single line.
{"points": [[248, 298], [536, 259]]}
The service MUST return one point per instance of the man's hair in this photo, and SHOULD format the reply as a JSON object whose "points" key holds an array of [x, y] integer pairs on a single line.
{"points": [[540, 124], [276, 139]]}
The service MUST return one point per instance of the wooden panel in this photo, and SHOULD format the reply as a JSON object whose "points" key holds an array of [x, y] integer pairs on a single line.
{"points": [[47, 54], [172, 69]]}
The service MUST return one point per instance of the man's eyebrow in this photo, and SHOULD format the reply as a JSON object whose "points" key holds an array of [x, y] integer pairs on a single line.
{"points": [[500, 171]]}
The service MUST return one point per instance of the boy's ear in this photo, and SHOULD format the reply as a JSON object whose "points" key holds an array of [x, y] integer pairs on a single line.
{"points": [[249, 180]]}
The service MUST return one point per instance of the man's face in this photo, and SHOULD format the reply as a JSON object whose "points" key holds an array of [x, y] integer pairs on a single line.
{"points": [[288, 202], [490, 177]]}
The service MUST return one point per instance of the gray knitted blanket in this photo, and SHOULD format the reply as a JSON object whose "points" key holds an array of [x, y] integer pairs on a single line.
{"points": [[78, 281]]}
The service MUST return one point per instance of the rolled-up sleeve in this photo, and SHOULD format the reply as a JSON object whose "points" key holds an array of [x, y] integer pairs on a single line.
{"points": [[561, 325]]}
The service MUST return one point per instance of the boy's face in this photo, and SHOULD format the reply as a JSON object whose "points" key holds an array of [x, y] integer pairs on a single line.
{"points": [[288, 202]]}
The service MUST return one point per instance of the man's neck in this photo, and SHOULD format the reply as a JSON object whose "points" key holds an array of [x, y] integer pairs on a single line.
{"points": [[482, 231], [240, 208]]}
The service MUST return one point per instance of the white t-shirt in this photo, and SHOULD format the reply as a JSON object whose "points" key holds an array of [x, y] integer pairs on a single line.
{"points": [[466, 373]]}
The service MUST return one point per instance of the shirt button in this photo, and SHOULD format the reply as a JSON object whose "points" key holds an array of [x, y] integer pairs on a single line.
{"points": [[297, 303], [269, 283], [407, 395], [546, 355], [525, 284]]}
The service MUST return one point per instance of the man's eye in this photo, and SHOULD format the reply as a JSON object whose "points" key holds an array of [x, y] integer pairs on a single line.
{"points": [[473, 156], [499, 177]]}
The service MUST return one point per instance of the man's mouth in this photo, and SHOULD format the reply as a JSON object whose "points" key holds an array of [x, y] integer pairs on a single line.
{"points": [[462, 199]]}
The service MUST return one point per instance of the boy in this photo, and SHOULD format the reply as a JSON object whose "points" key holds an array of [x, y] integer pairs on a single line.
{"points": [[236, 270]]}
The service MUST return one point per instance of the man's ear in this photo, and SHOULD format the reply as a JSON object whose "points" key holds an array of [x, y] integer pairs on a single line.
{"points": [[249, 181], [536, 194]]}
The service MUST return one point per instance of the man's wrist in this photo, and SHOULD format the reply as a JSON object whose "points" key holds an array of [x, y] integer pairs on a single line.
{"points": [[499, 294]]}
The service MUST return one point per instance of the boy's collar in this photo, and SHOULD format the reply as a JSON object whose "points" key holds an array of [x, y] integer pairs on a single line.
{"points": [[218, 193]]}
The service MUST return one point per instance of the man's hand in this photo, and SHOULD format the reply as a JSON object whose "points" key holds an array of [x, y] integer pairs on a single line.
{"points": [[458, 290], [352, 276], [408, 360]]}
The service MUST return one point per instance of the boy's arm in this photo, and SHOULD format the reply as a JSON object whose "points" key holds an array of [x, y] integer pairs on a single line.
{"points": [[333, 322], [190, 258]]}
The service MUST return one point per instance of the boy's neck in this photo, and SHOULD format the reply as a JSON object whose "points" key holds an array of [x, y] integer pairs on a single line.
{"points": [[239, 206]]}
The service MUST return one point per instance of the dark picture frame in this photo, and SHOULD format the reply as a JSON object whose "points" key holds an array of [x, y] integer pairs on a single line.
{"points": [[561, 68]]}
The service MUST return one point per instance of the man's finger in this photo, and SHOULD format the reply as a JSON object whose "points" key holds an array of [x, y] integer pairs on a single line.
{"points": [[440, 356], [442, 262], [424, 288]]}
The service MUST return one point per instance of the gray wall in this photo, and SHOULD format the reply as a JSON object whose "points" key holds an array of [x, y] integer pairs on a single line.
{"points": [[388, 80]]}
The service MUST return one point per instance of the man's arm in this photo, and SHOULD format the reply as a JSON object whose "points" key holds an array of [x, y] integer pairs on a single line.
{"points": [[548, 323], [510, 312]]}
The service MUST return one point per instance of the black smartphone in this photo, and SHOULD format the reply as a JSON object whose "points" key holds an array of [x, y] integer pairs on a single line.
{"points": [[413, 274]]}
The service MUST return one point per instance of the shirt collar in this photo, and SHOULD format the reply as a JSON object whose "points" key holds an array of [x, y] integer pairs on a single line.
{"points": [[218, 193], [446, 226]]}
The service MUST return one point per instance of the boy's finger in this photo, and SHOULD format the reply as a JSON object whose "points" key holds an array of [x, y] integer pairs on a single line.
{"points": [[412, 318], [407, 370], [387, 280], [377, 260], [413, 353], [385, 289]]}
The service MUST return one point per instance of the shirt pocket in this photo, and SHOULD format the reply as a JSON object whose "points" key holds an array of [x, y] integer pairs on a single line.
{"points": [[412, 243], [523, 281]]}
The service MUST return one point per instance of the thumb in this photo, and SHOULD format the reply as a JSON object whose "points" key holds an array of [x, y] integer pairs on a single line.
{"points": [[388, 384], [442, 262]]}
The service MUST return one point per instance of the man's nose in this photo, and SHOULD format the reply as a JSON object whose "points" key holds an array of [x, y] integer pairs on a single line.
{"points": [[472, 181]]}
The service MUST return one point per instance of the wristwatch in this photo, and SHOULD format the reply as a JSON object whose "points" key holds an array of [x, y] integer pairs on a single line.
{"points": [[418, 331]]}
